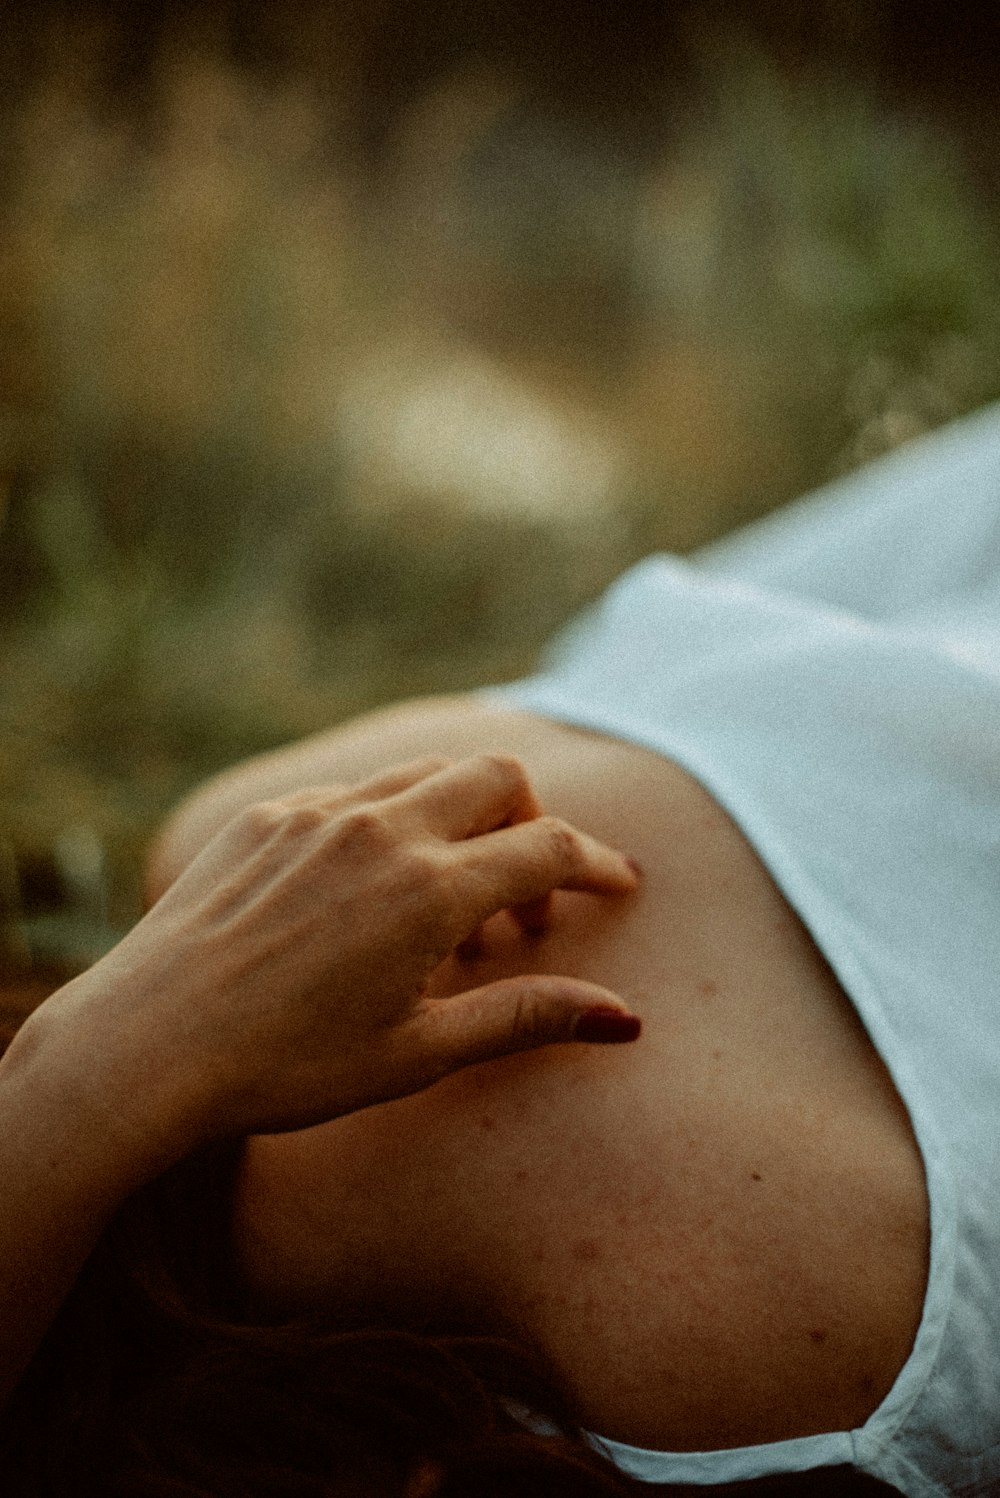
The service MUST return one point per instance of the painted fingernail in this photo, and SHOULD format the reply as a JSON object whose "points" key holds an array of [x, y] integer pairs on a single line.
{"points": [[608, 1026]]}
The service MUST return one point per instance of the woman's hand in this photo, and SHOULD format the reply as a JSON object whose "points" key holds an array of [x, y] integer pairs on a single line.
{"points": [[279, 981]]}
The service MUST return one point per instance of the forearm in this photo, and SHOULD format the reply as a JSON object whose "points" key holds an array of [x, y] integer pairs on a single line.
{"points": [[66, 1166]]}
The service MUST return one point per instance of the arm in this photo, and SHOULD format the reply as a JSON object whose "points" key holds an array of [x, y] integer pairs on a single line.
{"points": [[66, 1167], [279, 983]]}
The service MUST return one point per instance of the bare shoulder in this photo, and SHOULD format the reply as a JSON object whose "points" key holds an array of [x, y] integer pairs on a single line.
{"points": [[720, 1234]]}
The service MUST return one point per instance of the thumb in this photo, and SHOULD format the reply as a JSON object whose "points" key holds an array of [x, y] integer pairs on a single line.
{"points": [[520, 1014]]}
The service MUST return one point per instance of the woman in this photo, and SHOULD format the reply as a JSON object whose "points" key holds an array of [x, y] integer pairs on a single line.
{"points": [[761, 1241]]}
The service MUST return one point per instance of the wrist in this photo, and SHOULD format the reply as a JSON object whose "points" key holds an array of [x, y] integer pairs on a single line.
{"points": [[99, 1087]]}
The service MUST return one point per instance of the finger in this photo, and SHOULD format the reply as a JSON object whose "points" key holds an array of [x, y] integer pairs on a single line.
{"points": [[518, 1014], [475, 796], [323, 797], [523, 864], [534, 916], [472, 947], [401, 778], [389, 783]]}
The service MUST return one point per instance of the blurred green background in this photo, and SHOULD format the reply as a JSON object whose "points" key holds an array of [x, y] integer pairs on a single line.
{"points": [[346, 349]]}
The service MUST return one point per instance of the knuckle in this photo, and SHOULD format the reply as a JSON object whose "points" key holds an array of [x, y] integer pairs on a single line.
{"points": [[562, 840], [292, 820], [301, 821], [262, 819], [506, 767], [362, 830], [431, 764], [425, 870], [524, 1021]]}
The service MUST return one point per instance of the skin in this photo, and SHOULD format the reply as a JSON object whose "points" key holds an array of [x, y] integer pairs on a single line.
{"points": [[719, 1235], [281, 982]]}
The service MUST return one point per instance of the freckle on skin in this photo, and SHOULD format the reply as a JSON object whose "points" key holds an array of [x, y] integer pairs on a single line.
{"points": [[520, 1176], [487, 1124], [817, 1335], [755, 1175], [708, 987]]}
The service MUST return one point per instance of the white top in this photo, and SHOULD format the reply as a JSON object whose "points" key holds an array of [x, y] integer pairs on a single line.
{"points": [[832, 676]]}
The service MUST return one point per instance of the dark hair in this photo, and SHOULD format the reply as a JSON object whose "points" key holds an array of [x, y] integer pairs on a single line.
{"points": [[160, 1379]]}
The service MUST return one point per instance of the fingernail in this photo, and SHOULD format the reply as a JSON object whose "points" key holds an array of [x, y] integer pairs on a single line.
{"points": [[607, 1026]]}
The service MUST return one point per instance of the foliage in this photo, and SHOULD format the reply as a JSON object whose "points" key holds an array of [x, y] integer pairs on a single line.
{"points": [[285, 440]]}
